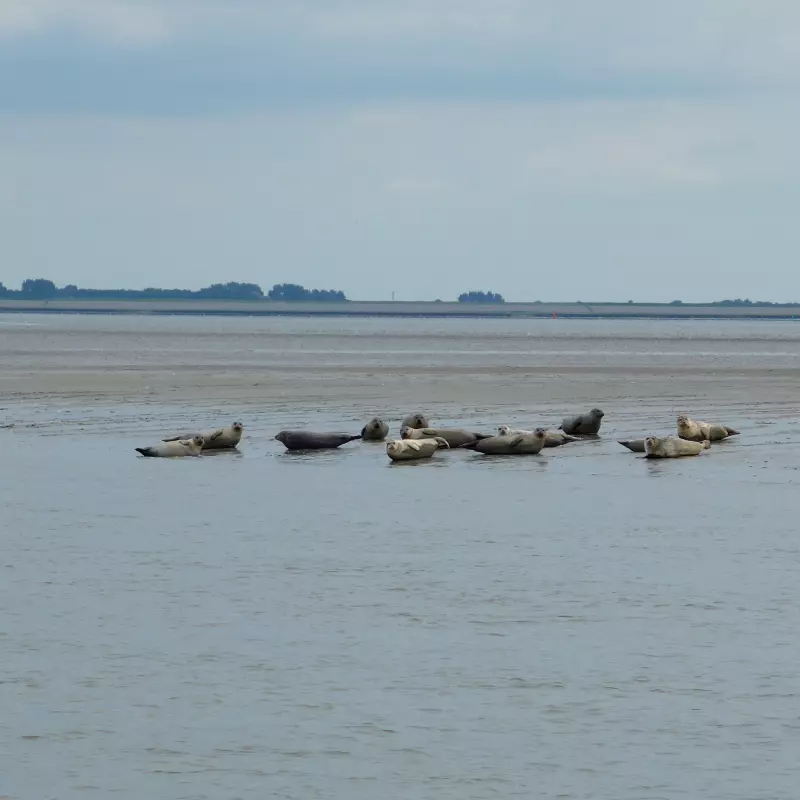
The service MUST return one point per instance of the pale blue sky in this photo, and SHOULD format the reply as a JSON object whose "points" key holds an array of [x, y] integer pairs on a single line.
{"points": [[549, 149]]}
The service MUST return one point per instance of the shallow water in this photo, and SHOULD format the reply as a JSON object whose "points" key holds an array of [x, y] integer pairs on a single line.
{"points": [[580, 624]]}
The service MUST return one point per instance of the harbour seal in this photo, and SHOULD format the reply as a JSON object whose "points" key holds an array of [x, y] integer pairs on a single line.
{"points": [[376, 430], [417, 420], [672, 447], [552, 438], [455, 437], [413, 449], [309, 440], [697, 431], [583, 424], [216, 438], [173, 449], [523, 444]]}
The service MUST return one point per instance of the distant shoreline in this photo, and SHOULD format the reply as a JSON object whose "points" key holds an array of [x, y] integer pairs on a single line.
{"points": [[427, 309]]}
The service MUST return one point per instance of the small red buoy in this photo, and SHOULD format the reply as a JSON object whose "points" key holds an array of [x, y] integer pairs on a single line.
{"points": [[554, 315]]}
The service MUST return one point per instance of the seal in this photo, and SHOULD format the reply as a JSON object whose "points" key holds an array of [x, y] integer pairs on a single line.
{"points": [[417, 420], [552, 438], [414, 449], [376, 430], [309, 440], [522, 444], [455, 437], [583, 424], [672, 447], [697, 431], [174, 449], [216, 438]]}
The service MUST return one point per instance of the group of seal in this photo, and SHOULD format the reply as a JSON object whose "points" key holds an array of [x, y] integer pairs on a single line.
{"points": [[693, 438], [419, 440], [193, 444]]}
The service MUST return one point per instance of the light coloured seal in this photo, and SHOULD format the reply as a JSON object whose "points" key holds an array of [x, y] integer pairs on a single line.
{"points": [[552, 438], [697, 431], [309, 440], [455, 437], [583, 424], [376, 430], [672, 447], [523, 444], [414, 449], [215, 438], [417, 420], [174, 449]]}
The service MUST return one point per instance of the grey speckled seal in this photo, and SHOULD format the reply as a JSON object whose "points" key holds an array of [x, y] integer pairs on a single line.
{"points": [[376, 430], [455, 437], [583, 424], [417, 420], [522, 444], [216, 438], [309, 440]]}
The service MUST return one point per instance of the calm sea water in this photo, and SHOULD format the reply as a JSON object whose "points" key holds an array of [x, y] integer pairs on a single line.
{"points": [[581, 625]]}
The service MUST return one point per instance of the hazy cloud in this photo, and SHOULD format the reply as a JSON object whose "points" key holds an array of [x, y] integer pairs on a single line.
{"points": [[548, 149]]}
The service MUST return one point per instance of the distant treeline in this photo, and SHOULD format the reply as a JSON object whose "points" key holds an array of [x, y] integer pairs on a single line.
{"points": [[43, 289]]}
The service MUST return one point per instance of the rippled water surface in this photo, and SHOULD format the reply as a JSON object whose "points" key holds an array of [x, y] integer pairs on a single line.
{"points": [[583, 624]]}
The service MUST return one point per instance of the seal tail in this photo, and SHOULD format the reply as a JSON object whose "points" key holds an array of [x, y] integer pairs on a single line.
{"points": [[469, 445], [479, 436], [145, 451], [706, 444], [353, 437], [731, 431]]}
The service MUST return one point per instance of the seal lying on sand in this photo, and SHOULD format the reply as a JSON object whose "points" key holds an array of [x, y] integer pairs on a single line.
{"points": [[174, 449], [308, 440], [583, 424], [696, 431], [455, 437], [414, 421], [376, 430], [216, 438], [672, 447], [522, 444], [552, 438], [413, 449]]}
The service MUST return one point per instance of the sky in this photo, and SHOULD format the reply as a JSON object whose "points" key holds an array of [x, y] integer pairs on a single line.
{"points": [[551, 150]]}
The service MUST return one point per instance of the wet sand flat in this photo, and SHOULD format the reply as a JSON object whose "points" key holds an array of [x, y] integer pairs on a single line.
{"points": [[391, 365]]}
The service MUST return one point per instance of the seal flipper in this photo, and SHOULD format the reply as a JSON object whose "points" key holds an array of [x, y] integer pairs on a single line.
{"points": [[730, 431], [634, 445], [469, 445], [145, 451]]}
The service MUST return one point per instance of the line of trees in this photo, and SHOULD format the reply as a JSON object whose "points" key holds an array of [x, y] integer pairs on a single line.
{"points": [[44, 289], [481, 297]]}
